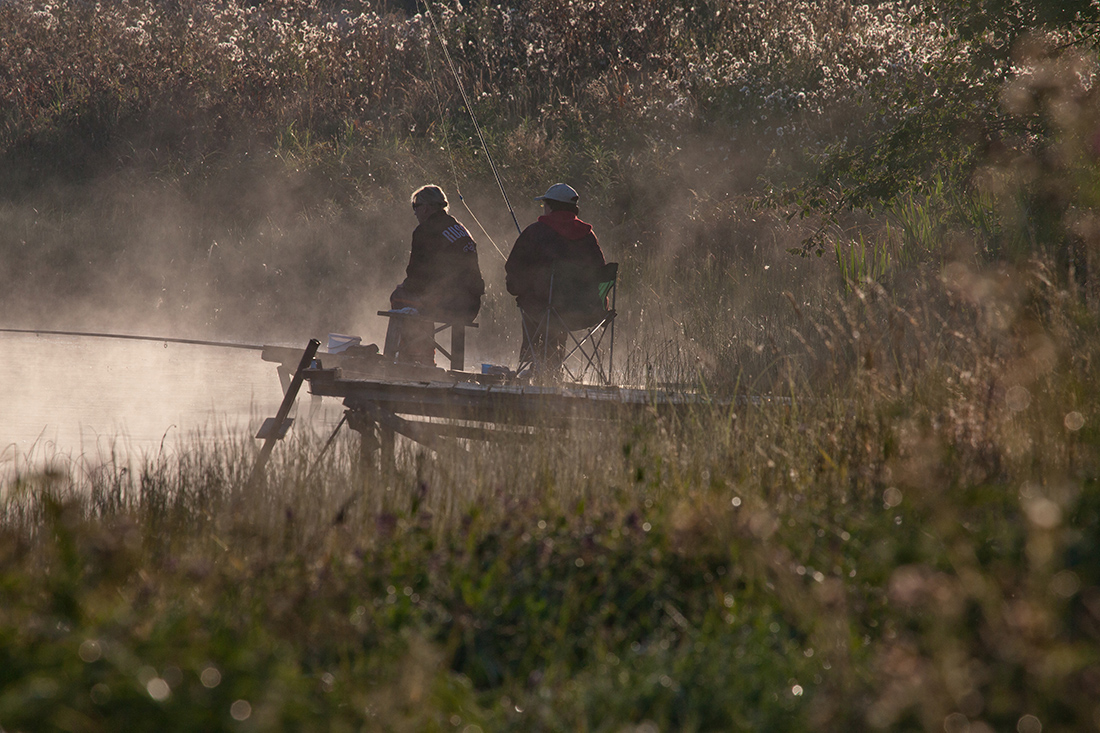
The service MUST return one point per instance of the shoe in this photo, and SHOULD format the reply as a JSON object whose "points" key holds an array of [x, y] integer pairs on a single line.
{"points": [[362, 352]]}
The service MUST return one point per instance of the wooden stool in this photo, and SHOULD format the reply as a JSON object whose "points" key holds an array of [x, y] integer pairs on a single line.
{"points": [[457, 354]]}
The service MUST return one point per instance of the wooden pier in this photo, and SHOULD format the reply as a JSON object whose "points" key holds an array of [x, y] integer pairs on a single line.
{"points": [[435, 407], [474, 407]]}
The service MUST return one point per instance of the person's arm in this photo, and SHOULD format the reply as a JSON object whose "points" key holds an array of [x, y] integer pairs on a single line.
{"points": [[517, 270], [597, 253], [476, 282], [418, 271]]}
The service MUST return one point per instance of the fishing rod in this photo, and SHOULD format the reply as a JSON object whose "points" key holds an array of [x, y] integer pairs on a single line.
{"points": [[451, 155], [473, 117], [165, 339]]}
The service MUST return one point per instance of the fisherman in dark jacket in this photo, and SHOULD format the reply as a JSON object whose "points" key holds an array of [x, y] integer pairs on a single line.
{"points": [[442, 281], [560, 245]]}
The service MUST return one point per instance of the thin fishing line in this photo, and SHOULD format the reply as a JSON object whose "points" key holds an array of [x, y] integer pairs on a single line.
{"points": [[166, 340], [450, 153], [480, 225], [446, 128], [473, 117]]}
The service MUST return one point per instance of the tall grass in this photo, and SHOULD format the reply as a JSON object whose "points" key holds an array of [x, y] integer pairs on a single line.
{"points": [[912, 547], [903, 537]]}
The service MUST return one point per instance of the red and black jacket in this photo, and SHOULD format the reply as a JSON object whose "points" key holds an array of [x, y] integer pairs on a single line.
{"points": [[560, 244]]}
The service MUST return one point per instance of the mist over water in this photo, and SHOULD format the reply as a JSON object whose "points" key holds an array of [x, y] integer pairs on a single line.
{"points": [[76, 397], [244, 231]]}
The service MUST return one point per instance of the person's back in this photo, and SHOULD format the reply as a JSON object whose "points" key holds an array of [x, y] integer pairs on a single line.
{"points": [[443, 270], [442, 281], [560, 255]]}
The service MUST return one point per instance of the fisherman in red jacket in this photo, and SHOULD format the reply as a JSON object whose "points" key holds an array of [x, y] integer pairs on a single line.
{"points": [[442, 281], [561, 245]]}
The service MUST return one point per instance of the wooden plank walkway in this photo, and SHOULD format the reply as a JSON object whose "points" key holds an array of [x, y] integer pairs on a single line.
{"points": [[433, 406], [490, 401]]}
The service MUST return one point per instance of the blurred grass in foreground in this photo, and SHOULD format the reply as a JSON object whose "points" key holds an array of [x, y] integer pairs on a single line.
{"points": [[910, 544]]}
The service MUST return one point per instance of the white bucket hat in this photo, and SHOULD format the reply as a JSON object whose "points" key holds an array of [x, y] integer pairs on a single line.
{"points": [[560, 192]]}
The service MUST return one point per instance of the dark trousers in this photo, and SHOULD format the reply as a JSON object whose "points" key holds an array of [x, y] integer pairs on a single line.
{"points": [[543, 344], [409, 340]]}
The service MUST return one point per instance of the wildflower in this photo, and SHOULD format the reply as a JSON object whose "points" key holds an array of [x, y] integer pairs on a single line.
{"points": [[46, 18]]}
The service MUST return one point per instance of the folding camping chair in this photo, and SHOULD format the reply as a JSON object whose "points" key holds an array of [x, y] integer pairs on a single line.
{"points": [[584, 332]]}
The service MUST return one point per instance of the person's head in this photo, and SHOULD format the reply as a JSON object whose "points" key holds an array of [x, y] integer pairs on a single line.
{"points": [[427, 200], [560, 197]]}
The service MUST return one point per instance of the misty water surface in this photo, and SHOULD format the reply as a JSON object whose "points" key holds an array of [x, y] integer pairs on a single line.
{"points": [[86, 397]]}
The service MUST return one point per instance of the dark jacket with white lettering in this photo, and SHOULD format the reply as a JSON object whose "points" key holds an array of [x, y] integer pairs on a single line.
{"points": [[443, 278]]}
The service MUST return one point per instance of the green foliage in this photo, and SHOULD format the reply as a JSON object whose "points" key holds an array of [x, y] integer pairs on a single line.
{"points": [[858, 265], [998, 23], [947, 120]]}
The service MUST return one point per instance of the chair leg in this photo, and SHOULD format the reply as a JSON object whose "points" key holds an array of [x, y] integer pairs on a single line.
{"points": [[591, 355], [544, 348], [545, 327], [610, 350], [532, 355], [527, 348], [597, 344]]}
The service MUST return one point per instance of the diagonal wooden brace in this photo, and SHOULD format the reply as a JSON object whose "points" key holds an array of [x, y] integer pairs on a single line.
{"points": [[275, 430]]}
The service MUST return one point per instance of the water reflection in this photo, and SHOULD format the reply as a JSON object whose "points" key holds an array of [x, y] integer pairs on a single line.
{"points": [[76, 397]]}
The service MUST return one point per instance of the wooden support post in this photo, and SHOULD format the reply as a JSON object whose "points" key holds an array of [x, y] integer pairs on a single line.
{"points": [[458, 347], [368, 447], [368, 439], [376, 440], [387, 454], [390, 423], [276, 431]]}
